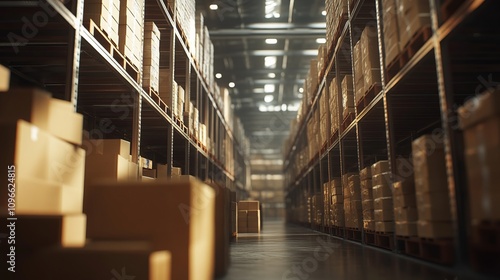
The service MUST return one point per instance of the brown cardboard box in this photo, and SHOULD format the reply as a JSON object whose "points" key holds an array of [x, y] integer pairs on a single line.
{"points": [[185, 205], [406, 229], [365, 173], [384, 215], [368, 204], [434, 212], [429, 164], [337, 199], [248, 205], [428, 229], [380, 167], [405, 201], [161, 171], [98, 260], [368, 214], [149, 172], [108, 147], [382, 191], [435, 198], [147, 179], [409, 214], [382, 179], [366, 184], [383, 203], [391, 31], [57, 230], [39, 157], [176, 171], [29, 104], [366, 193], [369, 224], [412, 16], [479, 109], [100, 168], [384, 226], [4, 78], [405, 187], [64, 123], [253, 221], [234, 218]]}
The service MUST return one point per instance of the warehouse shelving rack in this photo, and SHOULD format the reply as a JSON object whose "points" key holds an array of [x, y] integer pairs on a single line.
{"points": [[459, 60], [46, 44]]}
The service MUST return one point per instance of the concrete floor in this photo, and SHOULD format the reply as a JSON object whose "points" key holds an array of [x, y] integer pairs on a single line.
{"points": [[295, 253]]}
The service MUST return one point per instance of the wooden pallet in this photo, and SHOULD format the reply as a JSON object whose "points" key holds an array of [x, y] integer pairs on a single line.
{"points": [[103, 39], [156, 97], [439, 251], [368, 97], [337, 231], [353, 234], [449, 7], [411, 48], [347, 121], [383, 240]]}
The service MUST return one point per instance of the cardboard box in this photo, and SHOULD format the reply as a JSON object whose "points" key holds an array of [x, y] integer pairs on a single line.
{"points": [[248, 205], [405, 187], [108, 147], [435, 198], [337, 199], [365, 174], [145, 163], [253, 221], [367, 204], [428, 229], [384, 215], [110, 168], [412, 16], [368, 214], [382, 179], [369, 225], [405, 201], [98, 260], [29, 104], [64, 123], [479, 109], [185, 204], [366, 194], [434, 212], [429, 164], [384, 226], [161, 171], [383, 203], [406, 228], [149, 172], [176, 171], [380, 167], [56, 230], [382, 191], [409, 214], [4, 78]]}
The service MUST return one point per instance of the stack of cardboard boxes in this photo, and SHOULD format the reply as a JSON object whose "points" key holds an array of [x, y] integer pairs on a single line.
{"points": [[431, 186], [352, 201], [106, 15], [326, 204], [335, 11], [479, 118], [334, 107], [4, 78], [248, 217], [322, 60], [185, 15], [370, 57], [405, 207], [323, 119], [312, 136], [151, 64], [367, 199], [391, 31], [337, 207], [347, 96], [317, 209], [312, 81], [382, 197], [131, 31]]}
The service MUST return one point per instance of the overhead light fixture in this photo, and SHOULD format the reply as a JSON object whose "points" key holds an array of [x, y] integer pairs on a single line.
{"points": [[273, 8], [269, 88], [321, 40], [270, 61], [271, 75], [276, 15], [293, 107], [214, 7], [268, 98], [323, 13], [283, 107], [262, 108], [218, 75], [231, 85], [277, 108], [301, 90], [271, 41]]}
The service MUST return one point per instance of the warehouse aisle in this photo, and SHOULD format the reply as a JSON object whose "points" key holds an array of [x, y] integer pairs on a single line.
{"points": [[295, 253]]}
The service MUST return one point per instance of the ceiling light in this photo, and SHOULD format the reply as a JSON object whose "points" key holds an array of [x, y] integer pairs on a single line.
{"points": [[231, 85], [271, 75], [321, 40], [301, 90], [277, 108], [262, 108], [323, 13], [272, 8], [276, 15], [283, 107], [214, 7], [218, 75], [270, 61], [269, 88], [268, 98], [271, 41], [294, 107]]}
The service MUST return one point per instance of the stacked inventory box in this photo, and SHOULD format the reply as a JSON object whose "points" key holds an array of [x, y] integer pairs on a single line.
{"points": [[312, 136], [309, 210], [382, 197], [359, 81], [4, 78], [312, 81], [179, 109], [151, 64], [431, 186], [479, 118], [337, 206], [412, 17], [249, 222], [185, 12], [347, 200], [356, 211], [322, 60], [109, 159], [335, 10], [203, 134], [347, 96], [367, 199], [176, 215], [106, 15], [200, 39], [148, 172], [405, 207], [391, 31], [131, 31], [334, 108], [317, 209], [326, 204], [168, 89], [323, 120], [370, 58]]}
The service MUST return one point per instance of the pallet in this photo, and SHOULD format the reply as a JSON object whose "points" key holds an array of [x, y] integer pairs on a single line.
{"points": [[487, 234], [368, 97], [413, 46], [439, 251], [103, 39], [156, 97], [384, 240], [353, 234], [336, 36], [337, 231], [449, 7], [347, 121]]}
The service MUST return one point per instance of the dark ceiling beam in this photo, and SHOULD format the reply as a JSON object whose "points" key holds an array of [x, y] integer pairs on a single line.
{"points": [[277, 71], [312, 52], [294, 33]]}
